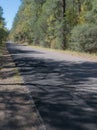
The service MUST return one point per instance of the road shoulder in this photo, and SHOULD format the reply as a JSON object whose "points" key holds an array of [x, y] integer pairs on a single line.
{"points": [[17, 109]]}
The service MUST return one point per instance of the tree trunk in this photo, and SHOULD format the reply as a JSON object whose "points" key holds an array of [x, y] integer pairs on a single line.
{"points": [[79, 7], [64, 27], [64, 8]]}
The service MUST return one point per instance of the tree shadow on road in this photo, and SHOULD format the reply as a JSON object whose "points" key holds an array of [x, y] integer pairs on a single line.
{"points": [[65, 93]]}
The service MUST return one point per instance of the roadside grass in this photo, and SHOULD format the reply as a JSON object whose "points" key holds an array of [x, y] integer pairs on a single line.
{"points": [[4, 62], [17, 75], [2, 47], [92, 56]]}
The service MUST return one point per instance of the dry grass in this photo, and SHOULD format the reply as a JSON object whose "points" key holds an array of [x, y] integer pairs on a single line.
{"points": [[3, 50], [7, 66]]}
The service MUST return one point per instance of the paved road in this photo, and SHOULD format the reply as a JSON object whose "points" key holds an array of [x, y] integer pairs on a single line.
{"points": [[64, 87]]}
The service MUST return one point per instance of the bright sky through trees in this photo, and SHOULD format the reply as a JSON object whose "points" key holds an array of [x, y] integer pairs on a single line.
{"points": [[10, 8]]}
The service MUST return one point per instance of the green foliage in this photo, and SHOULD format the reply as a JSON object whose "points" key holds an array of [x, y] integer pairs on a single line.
{"points": [[3, 30], [57, 24], [39, 22], [84, 38]]}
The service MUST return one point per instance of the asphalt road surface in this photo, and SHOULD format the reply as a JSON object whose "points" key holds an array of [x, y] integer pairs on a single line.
{"points": [[63, 87]]}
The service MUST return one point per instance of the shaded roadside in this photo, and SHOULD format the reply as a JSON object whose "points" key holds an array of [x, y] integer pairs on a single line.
{"points": [[17, 109]]}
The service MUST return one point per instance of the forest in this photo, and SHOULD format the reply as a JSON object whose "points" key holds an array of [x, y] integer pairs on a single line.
{"points": [[59, 24], [3, 29]]}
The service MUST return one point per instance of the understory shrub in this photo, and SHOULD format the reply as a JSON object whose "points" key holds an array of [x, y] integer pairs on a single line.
{"points": [[84, 38]]}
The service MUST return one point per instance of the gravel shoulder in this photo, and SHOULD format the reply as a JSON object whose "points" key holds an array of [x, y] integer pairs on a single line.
{"points": [[17, 109]]}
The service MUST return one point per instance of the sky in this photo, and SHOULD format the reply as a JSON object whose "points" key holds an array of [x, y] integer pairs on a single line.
{"points": [[10, 8]]}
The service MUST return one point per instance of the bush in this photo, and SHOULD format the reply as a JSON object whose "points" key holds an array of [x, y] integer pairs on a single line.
{"points": [[56, 43], [84, 38]]}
